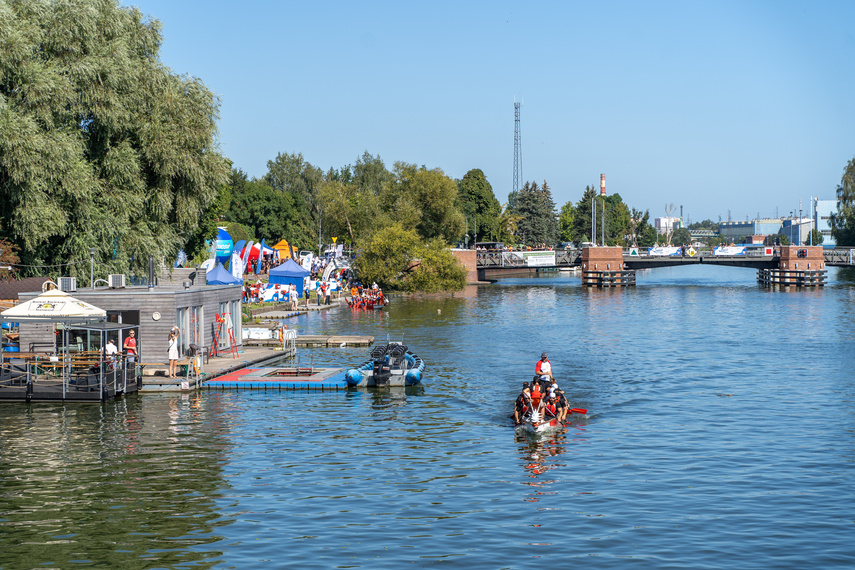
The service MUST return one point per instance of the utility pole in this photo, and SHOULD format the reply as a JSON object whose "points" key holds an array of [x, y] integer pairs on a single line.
{"points": [[603, 225], [594, 221]]}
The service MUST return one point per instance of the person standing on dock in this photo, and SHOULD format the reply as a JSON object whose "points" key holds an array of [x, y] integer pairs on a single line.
{"points": [[130, 347], [292, 296], [173, 355], [543, 368]]}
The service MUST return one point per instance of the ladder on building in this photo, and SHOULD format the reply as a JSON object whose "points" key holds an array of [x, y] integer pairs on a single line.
{"points": [[224, 321]]}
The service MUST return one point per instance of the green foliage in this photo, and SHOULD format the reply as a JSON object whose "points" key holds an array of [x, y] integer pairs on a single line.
{"points": [[370, 174], [431, 196], [8, 258], [386, 256], [681, 236], [704, 225], [270, 214], [618, 221], [815, 237], [100, 144], [396, 258], [197, 245], [239, 232], [581, 228], [436, 271], [478, 203], [843, 221], [538, 222], [508, 225], [292, 175], [566, 219]]}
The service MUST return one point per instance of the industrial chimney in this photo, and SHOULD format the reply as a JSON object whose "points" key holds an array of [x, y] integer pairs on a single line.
{"points": [[602, 184]]}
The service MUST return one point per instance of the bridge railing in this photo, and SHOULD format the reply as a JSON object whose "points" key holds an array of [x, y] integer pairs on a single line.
{"points": [[499, 259], [839, 256]]}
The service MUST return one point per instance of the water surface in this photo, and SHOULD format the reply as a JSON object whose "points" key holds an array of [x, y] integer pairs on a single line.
{"points": [[720, 434]]}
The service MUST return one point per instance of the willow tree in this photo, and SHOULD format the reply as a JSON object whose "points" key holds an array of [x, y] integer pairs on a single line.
{"points": [[101, 145], [843, 221]]}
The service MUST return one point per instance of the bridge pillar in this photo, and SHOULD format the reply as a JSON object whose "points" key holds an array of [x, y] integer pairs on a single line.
{"points": [[603, 267], [799, 265], [468, 259]]}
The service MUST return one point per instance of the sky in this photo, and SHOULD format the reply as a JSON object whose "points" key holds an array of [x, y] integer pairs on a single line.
{"points": [[726, 109]]}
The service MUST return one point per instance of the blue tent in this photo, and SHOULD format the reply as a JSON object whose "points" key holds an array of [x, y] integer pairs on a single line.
{"points": [[219, 276], [287, 273]]}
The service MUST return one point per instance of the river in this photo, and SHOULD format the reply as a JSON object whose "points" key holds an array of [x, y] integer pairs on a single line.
{"points": [[720, 434]]}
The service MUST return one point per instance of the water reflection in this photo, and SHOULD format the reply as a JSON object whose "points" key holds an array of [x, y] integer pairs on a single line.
{"points": [[107, 485]]}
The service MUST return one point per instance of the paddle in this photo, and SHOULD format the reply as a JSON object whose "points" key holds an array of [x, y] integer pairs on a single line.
{"points": [[578, 411]]}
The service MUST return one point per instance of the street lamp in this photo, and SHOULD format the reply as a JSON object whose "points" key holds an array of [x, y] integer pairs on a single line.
{"points": [[92, 267]]}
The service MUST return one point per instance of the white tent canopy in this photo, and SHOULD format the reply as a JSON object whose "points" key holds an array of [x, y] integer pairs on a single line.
{"points": [[54, 306]]}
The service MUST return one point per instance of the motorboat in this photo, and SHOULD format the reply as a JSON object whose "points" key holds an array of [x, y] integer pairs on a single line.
{"points": [[391, 364]]}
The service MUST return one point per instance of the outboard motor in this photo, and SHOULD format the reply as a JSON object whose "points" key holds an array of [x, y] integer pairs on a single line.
{"points": [[382, 373]]}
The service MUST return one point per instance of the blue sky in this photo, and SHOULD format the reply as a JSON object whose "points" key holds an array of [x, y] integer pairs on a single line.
{"points": [[739, 106]]}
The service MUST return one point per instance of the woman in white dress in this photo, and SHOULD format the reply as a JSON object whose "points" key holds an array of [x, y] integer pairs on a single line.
{"points": [[173, 355]]}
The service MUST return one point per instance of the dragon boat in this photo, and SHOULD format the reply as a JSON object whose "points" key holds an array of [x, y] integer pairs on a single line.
{"points": [[391, 364], [537, 424]]}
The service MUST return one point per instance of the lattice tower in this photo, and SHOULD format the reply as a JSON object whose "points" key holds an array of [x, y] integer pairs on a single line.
{"points": [[517, 148]]}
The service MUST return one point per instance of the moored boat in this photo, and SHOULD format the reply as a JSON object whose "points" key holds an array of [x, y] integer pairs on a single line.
{"points": [[391, 364]]}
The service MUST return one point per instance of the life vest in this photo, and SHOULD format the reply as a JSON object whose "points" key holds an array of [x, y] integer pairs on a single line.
{"points": [[535, 395]]}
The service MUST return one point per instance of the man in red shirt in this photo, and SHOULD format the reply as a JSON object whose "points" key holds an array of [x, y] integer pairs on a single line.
{"points": [[543, 368], [130, 347]]}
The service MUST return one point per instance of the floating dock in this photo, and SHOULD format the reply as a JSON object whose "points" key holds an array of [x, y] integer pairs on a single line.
{"points": [[282, 378]]}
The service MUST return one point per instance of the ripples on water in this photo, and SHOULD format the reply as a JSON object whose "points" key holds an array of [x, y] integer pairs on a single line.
{"points": [[720, 434]]}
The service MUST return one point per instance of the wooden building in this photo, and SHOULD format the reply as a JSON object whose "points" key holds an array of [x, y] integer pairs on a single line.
{"points": [[182, 298]]}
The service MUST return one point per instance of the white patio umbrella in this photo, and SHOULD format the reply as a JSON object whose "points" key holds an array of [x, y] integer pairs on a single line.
{"points": [[54, 306]]}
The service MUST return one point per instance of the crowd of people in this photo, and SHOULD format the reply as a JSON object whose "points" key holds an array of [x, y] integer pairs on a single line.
{"points": [[364, 297]]}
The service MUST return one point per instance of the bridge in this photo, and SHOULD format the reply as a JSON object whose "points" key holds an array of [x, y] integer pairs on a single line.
{"points": [[616, 266]]}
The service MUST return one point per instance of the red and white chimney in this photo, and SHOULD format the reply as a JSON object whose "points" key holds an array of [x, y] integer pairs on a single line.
{"points": [[602, 184]]}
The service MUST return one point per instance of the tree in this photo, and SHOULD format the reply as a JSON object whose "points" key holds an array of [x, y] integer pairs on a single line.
{"points": [[101, 145], [370, 174], [566, 218], [433, 195], [8, 258], [396, 258], [437, 270], [269, 213], [842, 222], [291, 174], [478, 203], [618, 221], [509, 225], [538, 222], [643, 234], [197, 245], [681, 236], [582, 227], [815, 237], [349, 209]]}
